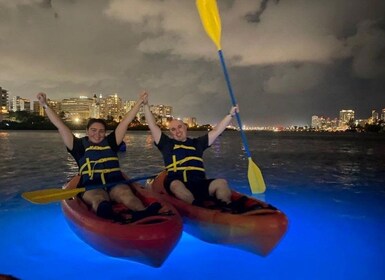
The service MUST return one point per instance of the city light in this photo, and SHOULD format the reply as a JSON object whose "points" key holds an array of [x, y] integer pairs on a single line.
{"points": [[112, 107]]}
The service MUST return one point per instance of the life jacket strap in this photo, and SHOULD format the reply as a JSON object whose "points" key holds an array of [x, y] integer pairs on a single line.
{"points": [[176, 146]]}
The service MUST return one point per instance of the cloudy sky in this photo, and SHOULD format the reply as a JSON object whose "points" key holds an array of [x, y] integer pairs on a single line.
{"points": [[287, 59]]}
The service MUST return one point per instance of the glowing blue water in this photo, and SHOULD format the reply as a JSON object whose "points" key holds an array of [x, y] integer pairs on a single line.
{"points": [[331, 187]]}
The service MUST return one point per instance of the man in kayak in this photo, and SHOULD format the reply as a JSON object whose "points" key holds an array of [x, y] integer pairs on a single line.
{"points": [[186, 177], [96, 156]]}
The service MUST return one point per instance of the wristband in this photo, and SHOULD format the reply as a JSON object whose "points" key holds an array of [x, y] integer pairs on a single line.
{"points": [[45, 106]]}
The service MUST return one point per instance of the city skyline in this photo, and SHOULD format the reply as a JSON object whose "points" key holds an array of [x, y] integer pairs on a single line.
{"points": [[380, 114], [287, 61]]}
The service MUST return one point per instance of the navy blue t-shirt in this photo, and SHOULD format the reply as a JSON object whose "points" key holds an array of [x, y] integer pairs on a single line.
{"points": [[79, 149]]}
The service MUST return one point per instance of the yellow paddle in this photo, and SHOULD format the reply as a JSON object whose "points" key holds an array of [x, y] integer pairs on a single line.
{"points": [[209, 14], [56, 194]]}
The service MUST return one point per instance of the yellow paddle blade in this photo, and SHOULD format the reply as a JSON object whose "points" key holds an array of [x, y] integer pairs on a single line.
{"points": [[208, 11], [256, 181], [51, 195]]}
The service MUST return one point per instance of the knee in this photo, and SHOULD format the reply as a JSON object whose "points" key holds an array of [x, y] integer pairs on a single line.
{"points": [[219, 187], [221, 182], [94, 198], [176, 186], [121, 193], [181, 192]]}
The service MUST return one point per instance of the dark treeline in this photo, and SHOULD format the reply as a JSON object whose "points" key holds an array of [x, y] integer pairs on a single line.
{"points": [[23, 120]]}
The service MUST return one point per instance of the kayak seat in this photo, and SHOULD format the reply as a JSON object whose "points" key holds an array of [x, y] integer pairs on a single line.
{"points": [[151, 210], [240, 206], [236, 206], [209, 202], [128, 216]]}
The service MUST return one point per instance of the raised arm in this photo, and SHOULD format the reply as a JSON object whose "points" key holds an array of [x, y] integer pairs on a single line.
{"points": [[219, 128], [154, 128], [121, 129], [64, 131]]}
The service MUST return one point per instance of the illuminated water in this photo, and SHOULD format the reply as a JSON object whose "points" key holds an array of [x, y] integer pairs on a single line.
{"points": [[332, 188]]}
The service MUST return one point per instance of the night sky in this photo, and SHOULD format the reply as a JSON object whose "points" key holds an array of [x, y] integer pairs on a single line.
{"points": [[287, 59]]}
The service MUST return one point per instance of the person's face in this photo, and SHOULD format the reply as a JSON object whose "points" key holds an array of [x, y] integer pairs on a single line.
{"points": [[96, 133], [178, 130]]}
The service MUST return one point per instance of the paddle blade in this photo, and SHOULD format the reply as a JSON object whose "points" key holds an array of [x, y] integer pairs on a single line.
{"points": [[257, 184], [209, 14], [51, 195]]}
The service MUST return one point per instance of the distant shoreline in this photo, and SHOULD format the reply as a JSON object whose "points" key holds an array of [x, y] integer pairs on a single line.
{"points": [[266, 132]]}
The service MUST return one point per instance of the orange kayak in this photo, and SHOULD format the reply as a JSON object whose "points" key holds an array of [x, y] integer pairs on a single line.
{"points": [[258, 230], [148, 241]]}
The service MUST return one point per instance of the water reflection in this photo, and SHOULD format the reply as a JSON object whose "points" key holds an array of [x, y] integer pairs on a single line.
{"points": [[149, 141], [79, 134], [6, 149], [318, 162], [4, 134], [128, 139], [216, 148]]}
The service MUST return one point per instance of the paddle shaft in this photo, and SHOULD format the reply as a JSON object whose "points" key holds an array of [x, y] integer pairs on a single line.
{"points": [[52, 195], [208, 11], [234, 102], [132, 180]]}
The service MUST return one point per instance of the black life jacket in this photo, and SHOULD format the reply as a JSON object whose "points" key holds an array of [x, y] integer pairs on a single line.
{"points": [[183, 162], [99, 164]]}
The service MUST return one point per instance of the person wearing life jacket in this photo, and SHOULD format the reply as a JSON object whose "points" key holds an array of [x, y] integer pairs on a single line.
{"points": [[182, 156], [97, 159]]}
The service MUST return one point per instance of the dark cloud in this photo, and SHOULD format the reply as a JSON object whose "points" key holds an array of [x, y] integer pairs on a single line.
{"points": [[287, 61], [256, 16], [46, 4], [368, 49]]}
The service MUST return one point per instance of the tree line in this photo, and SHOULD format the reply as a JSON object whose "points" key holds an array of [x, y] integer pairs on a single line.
{"points": [[24, 120]]}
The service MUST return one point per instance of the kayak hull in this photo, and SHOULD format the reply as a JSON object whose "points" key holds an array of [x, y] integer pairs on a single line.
{"points": [[148, 241], [258, 231]]}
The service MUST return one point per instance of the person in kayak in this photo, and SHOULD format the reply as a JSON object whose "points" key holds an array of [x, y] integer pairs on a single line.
{"points": [[182, 156], [97, 159]]}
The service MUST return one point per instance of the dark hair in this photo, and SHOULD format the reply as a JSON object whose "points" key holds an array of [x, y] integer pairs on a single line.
{"points": [[93, 120]]}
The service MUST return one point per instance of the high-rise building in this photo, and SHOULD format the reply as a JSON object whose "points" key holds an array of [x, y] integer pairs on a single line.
{"points": [[162, 114], [315, 122], [3, 101], [25, 104], [383, 115], [19, 104], [111, 107], [95, 108], [161, 110], [374, 115], [128, 105], [374, 118], [346, 116], [190, 121], [324, 124], [77, 108]]}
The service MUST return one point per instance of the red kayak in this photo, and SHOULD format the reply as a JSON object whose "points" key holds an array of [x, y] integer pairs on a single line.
{"points": [[148, 241], [257, 230]]}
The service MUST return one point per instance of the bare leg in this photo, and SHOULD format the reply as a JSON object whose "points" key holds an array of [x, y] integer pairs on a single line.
{"points": [[180, 191], [220, 189], [94, 197], [123, 194]]}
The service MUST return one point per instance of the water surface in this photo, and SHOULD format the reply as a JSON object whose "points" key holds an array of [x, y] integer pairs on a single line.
{"points": [[331, 187]]}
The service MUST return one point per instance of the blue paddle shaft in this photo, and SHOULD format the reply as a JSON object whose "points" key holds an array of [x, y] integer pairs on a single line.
{"points": [[234, 102]]}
